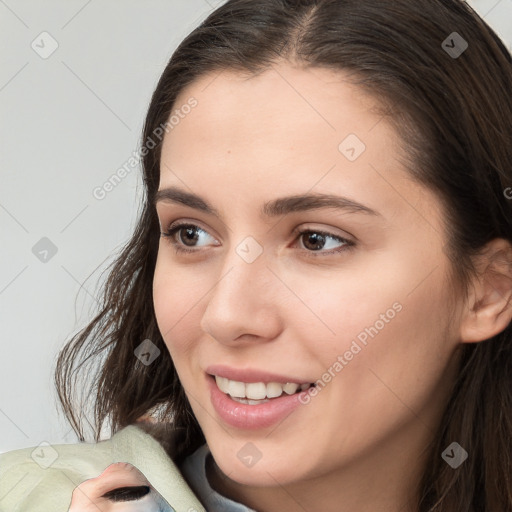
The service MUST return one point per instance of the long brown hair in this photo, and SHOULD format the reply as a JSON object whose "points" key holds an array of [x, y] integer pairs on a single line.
{"points": [[453, 113]]}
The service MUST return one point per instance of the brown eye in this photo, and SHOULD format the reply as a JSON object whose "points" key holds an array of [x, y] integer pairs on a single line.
{"points": [[315, 241], [184, 237], [127, 493]]}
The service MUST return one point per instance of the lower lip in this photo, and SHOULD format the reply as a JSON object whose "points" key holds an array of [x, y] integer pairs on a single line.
{"points": [[252, 416]]}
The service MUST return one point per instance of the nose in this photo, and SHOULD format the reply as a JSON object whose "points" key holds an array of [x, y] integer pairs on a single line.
{"points": [[244, 304]]}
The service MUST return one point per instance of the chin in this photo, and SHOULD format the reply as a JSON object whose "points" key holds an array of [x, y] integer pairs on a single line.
{"points": [[265, 472]]}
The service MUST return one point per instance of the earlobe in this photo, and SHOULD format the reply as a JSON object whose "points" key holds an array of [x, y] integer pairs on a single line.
{"points": [[489, 307]]}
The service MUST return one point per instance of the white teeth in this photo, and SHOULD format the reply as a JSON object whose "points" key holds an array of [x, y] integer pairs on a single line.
{"points": [[236, 389], [256, 390], [222, 384], [290, 388], [274, 389]]}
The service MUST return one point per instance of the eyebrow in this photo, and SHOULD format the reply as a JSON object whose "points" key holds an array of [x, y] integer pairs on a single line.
{"points": [[273, 208]]}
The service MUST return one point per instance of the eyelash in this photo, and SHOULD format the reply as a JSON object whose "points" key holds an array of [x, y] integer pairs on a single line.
{"points": [[348, 244]]}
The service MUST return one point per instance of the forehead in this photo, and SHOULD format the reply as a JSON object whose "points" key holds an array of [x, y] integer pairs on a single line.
{"points": [[287, 130], [283, 104], [279, 118]]}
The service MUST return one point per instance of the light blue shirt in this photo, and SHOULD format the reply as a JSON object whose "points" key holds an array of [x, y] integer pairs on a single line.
{"points": [[194, 470]]}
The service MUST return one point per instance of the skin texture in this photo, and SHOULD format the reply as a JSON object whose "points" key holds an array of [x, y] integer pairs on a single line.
{"points": [[360, 443]]}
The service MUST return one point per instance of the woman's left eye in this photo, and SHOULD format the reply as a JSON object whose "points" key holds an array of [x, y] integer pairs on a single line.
{"points": [[315, 238], [181, 235]]}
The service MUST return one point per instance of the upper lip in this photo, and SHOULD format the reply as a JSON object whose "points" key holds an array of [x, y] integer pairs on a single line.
{"points": [[252, 375]]}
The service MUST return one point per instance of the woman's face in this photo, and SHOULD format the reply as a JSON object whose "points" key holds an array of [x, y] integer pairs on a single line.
{"points": [[358, 304]]}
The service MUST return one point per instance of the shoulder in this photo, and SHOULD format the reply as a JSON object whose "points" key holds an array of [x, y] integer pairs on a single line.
{"points": [[43, 477]]}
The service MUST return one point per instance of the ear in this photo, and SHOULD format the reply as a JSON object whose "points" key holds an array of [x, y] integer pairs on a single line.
{"points": [[488, 310]]}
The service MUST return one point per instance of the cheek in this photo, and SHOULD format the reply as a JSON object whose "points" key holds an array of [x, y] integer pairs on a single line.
{"points": [[389, 326], [331, 309], [177, 295], [395, 345]]}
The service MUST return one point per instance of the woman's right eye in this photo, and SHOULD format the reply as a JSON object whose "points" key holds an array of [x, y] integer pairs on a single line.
{"points": [[186, 233], [131, 493]]}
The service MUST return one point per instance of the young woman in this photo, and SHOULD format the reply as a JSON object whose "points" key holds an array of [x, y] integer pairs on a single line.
{"points": [[314, 310]]}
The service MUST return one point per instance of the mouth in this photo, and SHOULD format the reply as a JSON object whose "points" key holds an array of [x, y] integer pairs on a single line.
{"points": [[256, 393], [253, 399]]}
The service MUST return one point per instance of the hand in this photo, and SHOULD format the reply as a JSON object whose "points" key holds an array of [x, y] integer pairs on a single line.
{"points": [[121, 487]]}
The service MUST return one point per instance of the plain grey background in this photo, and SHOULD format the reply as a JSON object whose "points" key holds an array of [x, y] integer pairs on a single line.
{"points": [[76, 77]]}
